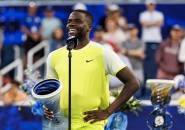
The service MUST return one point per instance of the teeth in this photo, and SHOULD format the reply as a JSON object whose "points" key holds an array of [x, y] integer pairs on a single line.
{"points": [[72, 30]]}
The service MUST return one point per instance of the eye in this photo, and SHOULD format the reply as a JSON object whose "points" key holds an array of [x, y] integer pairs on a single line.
{"points": [[78, 20], [69, 21]]}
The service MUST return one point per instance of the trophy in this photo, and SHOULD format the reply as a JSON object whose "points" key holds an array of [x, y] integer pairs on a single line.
{"points": [[47, 92], [159, 118]]}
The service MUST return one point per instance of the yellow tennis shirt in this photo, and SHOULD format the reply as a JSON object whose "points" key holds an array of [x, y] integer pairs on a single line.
{"points": [[89, 80]]}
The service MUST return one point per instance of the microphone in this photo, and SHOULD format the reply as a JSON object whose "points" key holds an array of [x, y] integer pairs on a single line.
{"points": [[72, 42]]}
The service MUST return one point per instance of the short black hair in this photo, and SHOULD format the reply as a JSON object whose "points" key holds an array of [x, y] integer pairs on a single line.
{"points": [[89, 15]]}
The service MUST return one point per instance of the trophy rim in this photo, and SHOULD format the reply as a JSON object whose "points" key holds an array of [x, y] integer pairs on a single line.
{"points": [[160, 81], [47, 95]]}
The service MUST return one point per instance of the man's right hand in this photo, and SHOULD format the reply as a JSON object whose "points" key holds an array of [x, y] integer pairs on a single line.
{"points": [[47, 113]]}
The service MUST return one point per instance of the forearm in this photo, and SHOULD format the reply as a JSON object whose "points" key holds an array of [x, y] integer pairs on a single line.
{"points": [[131, 86], [136, 53], [155, 24]]}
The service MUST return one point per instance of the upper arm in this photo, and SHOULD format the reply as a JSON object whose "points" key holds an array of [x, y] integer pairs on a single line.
{"points": [[126, 75], [159, 53], [113, 63]]}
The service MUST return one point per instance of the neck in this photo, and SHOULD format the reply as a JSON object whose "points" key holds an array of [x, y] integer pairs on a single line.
{"points": [[82, 43], [32, 14], [175, 40], [133, 38]]}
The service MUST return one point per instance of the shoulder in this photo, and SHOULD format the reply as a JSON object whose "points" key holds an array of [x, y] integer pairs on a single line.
{"points": [[144, 13], [165, 43], [101, 48], [158, 13], [95, 46], [57, 52]]}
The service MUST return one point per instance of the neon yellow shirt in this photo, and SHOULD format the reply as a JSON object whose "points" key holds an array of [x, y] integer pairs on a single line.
{"points": [[90, 91]]}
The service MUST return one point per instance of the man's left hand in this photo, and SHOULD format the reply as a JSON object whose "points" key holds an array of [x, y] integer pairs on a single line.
{"points": [[96, 115]]}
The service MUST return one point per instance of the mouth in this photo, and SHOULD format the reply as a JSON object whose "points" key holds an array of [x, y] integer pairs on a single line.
{"points": [[72, 32]]}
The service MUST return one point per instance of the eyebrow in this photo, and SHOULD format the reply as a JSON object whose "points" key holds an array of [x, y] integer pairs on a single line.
{"points": [[74, 19]]}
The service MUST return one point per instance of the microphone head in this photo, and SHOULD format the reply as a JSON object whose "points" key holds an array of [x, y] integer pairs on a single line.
{"points": [[72, 42]]}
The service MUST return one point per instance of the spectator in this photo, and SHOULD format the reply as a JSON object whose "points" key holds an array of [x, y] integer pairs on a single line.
{"points": [[115, 12], [167, 55], [114, 33], [151, 21], [57, 40], [31, 27], [80, 6], [49, 23], [14, 95], [134, 49], [98, 37]]}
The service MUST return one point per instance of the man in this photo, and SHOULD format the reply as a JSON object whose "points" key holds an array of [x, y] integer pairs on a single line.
{"points": [[167, 55], [151, 21], [31, 28], [134, 49], [90, 69], [49, 23]]}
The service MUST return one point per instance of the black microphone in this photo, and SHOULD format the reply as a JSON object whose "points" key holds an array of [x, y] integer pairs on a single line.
{"points": [[72, 42]]}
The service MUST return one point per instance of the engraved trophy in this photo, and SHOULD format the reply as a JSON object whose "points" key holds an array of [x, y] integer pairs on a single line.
{"points": [[47, 92], [159, 118]]}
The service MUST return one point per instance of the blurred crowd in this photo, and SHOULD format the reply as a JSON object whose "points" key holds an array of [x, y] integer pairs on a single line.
{"points": [[149, 56]]}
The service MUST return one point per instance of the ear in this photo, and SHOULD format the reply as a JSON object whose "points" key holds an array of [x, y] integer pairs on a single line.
{"points": [[89, 27]]}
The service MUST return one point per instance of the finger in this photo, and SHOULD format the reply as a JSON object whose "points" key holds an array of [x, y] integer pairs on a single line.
{"points": [[95, 120], [45, 108], [47, 115], [48, 112], [88, 112], [89, 117], [49, 118]]}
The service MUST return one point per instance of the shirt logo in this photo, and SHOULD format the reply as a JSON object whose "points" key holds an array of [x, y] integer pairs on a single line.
{"points": [[89, 60]]}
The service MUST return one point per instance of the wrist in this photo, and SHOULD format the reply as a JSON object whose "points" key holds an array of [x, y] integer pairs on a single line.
{"points": [[108, 111], [126, 52]]}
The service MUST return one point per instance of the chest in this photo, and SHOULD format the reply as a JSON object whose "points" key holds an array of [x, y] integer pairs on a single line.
{"points": [[151, 17], [81, 65]]}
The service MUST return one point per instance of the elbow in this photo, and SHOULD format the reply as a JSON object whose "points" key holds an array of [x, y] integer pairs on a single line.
{"points": [[135, 85]]}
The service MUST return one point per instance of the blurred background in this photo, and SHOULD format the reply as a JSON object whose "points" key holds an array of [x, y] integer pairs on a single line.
{"points": [[148, 35]]}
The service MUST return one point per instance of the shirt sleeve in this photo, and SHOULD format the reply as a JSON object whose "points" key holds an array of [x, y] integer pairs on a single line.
{"points": [[161, 16], [113, 64], [182, 52], [50, 72], [141, 17]]}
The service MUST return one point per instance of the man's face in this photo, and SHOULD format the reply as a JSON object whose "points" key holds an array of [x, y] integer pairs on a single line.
{"points": [[32, 10], [133, 32], [98, 36], [78, 25], [151, 7], [176, 34]]}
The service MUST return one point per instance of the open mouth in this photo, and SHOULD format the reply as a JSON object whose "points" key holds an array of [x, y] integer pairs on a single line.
{"points": [[72, 32]]}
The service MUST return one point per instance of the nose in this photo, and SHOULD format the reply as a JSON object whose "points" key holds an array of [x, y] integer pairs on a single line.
{"points": [[70, 25]]}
